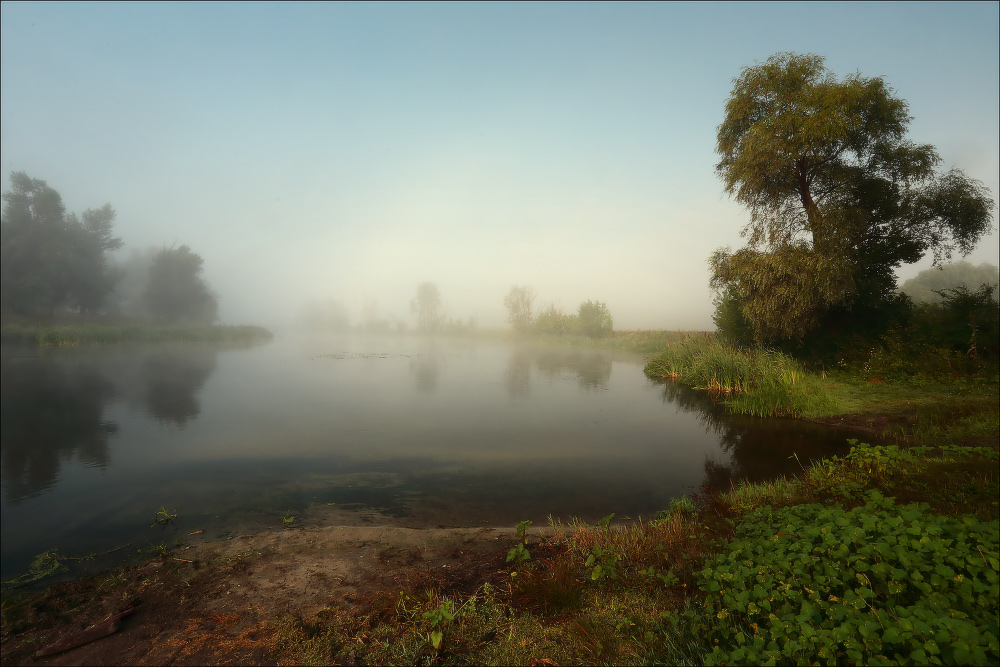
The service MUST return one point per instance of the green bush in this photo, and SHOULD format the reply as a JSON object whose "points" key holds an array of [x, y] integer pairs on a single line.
{"points": [[877, 584], [730, 322], [595, 319]]}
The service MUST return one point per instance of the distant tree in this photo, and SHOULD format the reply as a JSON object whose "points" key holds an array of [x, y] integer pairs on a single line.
{"points": [[927, 285], [595, 319], [553, 320], [175, 291], [428, 307], [838, 197], [518, 303], [49, 259]]}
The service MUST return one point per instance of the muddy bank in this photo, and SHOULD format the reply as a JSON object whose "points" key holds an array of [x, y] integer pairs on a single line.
{"points": [[215, 603]]}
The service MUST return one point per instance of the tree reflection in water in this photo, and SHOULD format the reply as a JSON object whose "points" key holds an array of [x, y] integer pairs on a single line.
{"points": [[592, 368], [50, 410], [171, 380], [759, 449]]}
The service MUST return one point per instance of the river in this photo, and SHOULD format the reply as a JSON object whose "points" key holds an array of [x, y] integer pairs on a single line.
{"points": [[348, 429]]}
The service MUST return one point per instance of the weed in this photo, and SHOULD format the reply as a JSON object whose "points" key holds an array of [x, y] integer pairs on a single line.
{"points": [[288, 519], [520, 553], [440, 616], [163, 518]]}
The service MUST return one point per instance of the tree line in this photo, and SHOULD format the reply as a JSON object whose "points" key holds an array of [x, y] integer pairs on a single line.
{"points": [[592, 318], [52, 260]]}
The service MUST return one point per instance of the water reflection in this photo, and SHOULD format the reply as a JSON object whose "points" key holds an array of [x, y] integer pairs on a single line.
{"points": [[171, 381], [425, 369], [50, 411], [517, 377], [759, 449], [593, 369], [52, 408]]}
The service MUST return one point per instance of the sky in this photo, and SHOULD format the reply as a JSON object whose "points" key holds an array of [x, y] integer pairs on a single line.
{"points": [[315, 152]]}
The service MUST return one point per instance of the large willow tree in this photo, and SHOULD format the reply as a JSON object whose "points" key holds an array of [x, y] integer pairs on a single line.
{"points": [[838, 197]]}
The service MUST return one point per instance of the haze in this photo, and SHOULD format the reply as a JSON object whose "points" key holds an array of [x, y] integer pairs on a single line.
{"points": [[349, 152]]}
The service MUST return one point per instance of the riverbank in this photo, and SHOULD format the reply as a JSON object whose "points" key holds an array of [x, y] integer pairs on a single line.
{"points": [[72, 330], [669, 589]]}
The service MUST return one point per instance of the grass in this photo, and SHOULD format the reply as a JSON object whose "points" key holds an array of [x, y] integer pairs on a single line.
{"points": [[97, 332]]}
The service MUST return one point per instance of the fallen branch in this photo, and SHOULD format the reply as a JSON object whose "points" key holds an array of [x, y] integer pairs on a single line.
{"points": [[102, 629]]}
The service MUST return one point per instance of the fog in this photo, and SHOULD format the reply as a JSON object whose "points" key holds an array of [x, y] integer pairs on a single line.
{"points": [[318, 153]]}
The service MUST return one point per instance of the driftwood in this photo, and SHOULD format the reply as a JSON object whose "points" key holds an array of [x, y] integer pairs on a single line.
{"points": [[102, 629]]}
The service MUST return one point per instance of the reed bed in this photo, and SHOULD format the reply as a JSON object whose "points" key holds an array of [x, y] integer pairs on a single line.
{"points": [[110, 334], [751, 378]]}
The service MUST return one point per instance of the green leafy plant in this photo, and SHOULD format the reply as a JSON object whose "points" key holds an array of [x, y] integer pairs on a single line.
{"points": [[603, 562], [878, 584], [288, 519], [520, 553], [444, 614]]}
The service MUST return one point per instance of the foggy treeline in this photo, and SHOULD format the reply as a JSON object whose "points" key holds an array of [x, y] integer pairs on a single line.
{"points": [[55, 261], [927, 285]]}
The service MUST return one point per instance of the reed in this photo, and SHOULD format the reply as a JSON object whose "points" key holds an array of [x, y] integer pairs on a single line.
{"points": [[109, 334], [705, 362]]}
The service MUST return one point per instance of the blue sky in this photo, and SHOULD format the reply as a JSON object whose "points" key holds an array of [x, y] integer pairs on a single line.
{"points": [[351, 151]]}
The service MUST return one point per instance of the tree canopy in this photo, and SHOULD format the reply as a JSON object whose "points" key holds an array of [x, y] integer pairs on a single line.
{"points": [[50, 259], [595, 319], [176, 292], [518, 303], [838, 197]]}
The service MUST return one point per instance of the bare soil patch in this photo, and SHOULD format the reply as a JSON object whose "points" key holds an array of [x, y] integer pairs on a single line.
{"points": [[215, 603]]}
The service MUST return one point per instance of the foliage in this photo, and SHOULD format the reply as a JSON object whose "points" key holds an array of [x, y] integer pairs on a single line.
{"points": [[595, 319], [838, 197], [439, 617], [50, 259], [288, 520], [553, 321], [520, 553], [428, 308], [879, 583], [518, 304], [722, 368], [175, 291], [730, 322], [926, 285], [971, 321]]}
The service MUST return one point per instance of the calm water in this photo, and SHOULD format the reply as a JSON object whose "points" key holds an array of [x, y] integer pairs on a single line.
{"points": [[406, 431]]}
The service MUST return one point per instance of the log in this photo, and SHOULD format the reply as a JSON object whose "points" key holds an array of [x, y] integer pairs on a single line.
{"points": [[102, 629]]}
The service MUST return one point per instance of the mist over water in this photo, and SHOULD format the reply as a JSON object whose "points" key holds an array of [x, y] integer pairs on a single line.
{"points": [[347, 429]]}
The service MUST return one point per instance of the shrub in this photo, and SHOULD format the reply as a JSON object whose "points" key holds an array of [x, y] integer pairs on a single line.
{"points": [[595, 319]]}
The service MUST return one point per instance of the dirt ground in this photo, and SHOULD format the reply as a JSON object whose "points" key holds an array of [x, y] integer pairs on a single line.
{"points": [[215, 603]]}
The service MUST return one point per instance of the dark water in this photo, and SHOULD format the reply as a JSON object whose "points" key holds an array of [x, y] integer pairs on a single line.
{"points": [[405, 431]]}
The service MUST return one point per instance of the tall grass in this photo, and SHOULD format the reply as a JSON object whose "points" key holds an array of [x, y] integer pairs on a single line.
{"points": [[754, 381], [108, 334]]}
